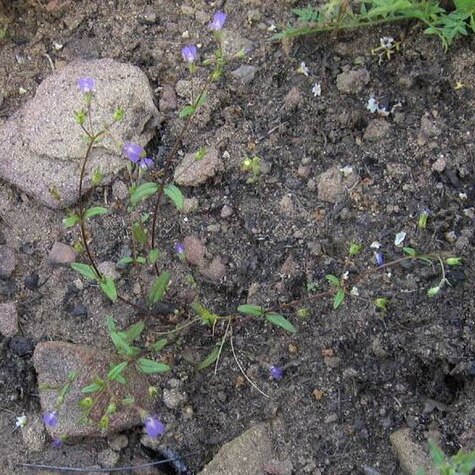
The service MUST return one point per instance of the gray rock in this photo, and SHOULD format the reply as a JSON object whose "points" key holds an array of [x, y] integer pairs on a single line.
{"points": [[174, 397], [411, 456], [107, 269], [190, 205], [120, 190], [34, 436], [42, 145], [61, 254], [194, 250], [247, 454], [8, 319], [193, 172], [376, 130], [352, 81], [332, 361], [333, 184], [168, 101], [245, 73], [118, 442], [53, 362], [286, 206], [107, 458], [226, 211], [7, 262]]}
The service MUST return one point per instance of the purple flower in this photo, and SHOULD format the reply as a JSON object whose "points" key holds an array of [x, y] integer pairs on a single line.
{"points": [[57, 443], [133, 151], [154, 427], [145, 162], [189, 53], [218, 21], [276, 372], [179, 248], [86, 84], [379, 258], [50, 418]]}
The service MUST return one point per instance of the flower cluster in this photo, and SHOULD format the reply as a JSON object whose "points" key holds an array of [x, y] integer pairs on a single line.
{"points": [[136, 154]]}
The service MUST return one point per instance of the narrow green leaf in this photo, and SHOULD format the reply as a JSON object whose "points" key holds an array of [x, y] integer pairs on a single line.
{"points": [[280, 321], [438, 457], [146, 366], [85, 270], [116, 371], [159, 344], [410, 251], [139, 234], [159, 287], [94, 211], [71, 221], [153, 256], [121, 345], [186, 112], [92, 388], [125, 261], [134, 331], [108, 287], [111, 326], [142, 192], [174, 193], [253, 310], [201, 100], [338, 300], [333, 279], [210, 359], [140, 260]]}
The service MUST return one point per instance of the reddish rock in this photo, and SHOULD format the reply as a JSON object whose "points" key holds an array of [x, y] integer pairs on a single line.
{"points": [[194, 250], [61, 254], [7, 262]]}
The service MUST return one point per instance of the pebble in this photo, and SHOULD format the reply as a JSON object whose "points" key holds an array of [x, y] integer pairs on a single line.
{"points": [[226, 211], [439, 165], [168, 99], [293, 99], [118, 442], [33, 433], [331, 418], [173, 397], [21, 346], [194, 250], [303, 171], [8, 319], [286, 205], [192, 172], [148, 17], [376, 130], [7, 262], [108, 458], [352, 81], [289, 267], [190, 205], [61, 254], [31, 281], [245, 73], [332, 184], [107, 269], [79, 310], [120, 190]]}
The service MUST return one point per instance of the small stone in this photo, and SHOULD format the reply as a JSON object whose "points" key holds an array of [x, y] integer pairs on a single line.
{"points": [[168, 100], [352, 81], [194, 250], [332, 361], [245, 73], [107, 269], [332, 185], [293, 99], [7, 262], [376, 130], [21, 346], [33, 433], [61, 254], [8, 319], [31, 281], [287, 206], [289, 267], [118, 442], [148, 17], [190, 205], [303, 171], [193, 172], [120, 190], [439, 165], [107, 458], [79, 310], [215, 271], [226, 211], [331, 418], [450, 237], [173, 398]]}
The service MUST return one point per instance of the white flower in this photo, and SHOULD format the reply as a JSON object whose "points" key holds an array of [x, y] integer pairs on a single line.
{"points": [[354, 291], [375, 245], [372, 105], [317, 89], [20, 421], [302, 69], [399, 239], [346, 171], [386, 42]]}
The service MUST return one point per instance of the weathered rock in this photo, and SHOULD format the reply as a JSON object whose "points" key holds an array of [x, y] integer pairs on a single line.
{"points": [[43, 147], [193, 172], [333, 184], [430, 128], [118, 442], [411, 457], [107, 269], [245, 73], [352, 81], [33, 433], [289, 267], [293, 99], [107, 458], [226, 211], [55, 360], [286, 206], [194, 250], [7, 262], [168, 100], [8, 319], [248, 453], [174, 397], [61, 254], [377, 129]]}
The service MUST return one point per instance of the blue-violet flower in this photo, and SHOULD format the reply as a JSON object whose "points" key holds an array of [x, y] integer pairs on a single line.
{"points": [[57, 443], [189, 53], [218, 21], [145, 162], [86, 84], [50, 418], [133, 151], [154, 427], [179, 248], [379, 258], [276, 372]]}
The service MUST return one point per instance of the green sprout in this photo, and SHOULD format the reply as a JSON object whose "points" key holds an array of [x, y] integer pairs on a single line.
{"points": [[252, 166]]}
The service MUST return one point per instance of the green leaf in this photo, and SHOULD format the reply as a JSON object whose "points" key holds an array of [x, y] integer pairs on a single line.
{"points": [[433, 291], [465, 6], [140, 260], [338, 300], [147, 366], [116, 371], [253, 310], [139, 234], [121, 345], [333, 279], [186, 112], [438, 457], [108, 287], [159, 287], [410, 251], [174, 193], [71, 220], [153, 256], [159, 344], [280, 321], [210, 359], [201, 100], [85, 270], [92, 388], [111, 326], [94, 211], [125, 261], [142, 192], [207, 317], [134, 331]]}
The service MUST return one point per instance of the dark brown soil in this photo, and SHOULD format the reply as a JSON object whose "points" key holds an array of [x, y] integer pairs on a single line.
{"points": [[336, 415]]}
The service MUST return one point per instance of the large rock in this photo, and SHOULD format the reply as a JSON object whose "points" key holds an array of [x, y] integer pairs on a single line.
{"points": [[42, 147], [193, 170], [56, 359]]}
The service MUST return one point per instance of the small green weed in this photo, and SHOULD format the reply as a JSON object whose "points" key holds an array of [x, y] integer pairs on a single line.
{"points": [[342, 15]]}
